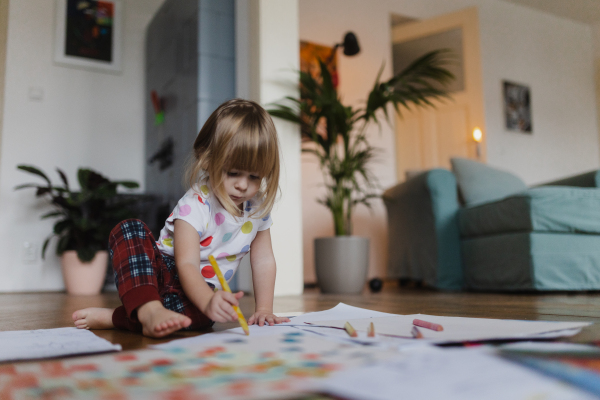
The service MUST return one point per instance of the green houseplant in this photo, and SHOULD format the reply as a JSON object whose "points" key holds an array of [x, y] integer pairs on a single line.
{"points": [[336, 133], [85, 219]]}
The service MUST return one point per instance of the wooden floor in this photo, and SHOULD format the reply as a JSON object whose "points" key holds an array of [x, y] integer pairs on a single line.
{"points": [[52, 310]]}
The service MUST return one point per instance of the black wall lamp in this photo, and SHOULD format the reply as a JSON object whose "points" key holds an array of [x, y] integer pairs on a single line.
{"points": [[350, 45]]}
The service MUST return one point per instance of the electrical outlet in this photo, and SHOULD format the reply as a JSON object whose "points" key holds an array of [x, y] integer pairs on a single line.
{"points": [[29, 252]]}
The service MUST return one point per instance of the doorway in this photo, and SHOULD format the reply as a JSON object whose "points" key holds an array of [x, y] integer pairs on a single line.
{"points": [[428, 137]]}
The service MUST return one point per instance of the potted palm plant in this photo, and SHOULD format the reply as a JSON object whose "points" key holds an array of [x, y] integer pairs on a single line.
{"points": [[85, 219], [336, 135]]}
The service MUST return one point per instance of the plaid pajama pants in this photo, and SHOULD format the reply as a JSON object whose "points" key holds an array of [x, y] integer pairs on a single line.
{"points": [[143, 274]]}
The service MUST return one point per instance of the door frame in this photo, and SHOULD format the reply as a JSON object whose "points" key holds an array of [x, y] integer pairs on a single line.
{"points": [[468, 21], [3, 45]]}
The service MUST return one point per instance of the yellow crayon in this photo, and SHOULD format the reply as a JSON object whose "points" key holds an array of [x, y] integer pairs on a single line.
{"points": [[350, 330], [226, 288]]}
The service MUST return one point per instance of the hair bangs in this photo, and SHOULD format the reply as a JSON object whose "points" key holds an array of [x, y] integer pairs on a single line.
{"points": [[252, 151]]}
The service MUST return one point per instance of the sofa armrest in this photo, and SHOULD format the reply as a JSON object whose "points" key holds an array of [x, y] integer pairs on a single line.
{"points": [[587, 179], [424, 240]]}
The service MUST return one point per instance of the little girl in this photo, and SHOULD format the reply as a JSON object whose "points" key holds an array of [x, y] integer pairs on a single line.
{"points": [[167, 285]]}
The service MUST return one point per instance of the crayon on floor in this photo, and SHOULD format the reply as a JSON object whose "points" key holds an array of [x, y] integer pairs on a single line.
{"points": [[416, 333], [350, 330], [371, 330]]}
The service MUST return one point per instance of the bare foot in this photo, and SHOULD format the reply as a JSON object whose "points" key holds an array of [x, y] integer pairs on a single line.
{"points": [[94, 318], [157, 321]]}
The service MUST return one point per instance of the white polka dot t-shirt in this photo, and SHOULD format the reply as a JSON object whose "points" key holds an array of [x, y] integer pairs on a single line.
{"points": [[226, 237]]}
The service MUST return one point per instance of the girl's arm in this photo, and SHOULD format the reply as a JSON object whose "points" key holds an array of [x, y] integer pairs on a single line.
{"points": [[215, 305], [263, 279]]}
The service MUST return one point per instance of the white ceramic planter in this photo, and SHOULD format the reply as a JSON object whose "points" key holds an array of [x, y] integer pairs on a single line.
{"points": [[342, 263], [84, 278]]}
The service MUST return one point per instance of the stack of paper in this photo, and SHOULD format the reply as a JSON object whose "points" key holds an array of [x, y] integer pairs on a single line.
{"points": [[46, 343]]}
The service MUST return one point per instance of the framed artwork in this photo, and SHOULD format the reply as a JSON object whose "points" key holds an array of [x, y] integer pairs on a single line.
{"points": [[517, 107], [311, 53], [88, 34]]}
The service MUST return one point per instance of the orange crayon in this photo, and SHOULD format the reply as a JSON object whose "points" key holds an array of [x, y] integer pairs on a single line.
{"points": [[416, 333], [371, 330], [350, 330], [428, 325]]}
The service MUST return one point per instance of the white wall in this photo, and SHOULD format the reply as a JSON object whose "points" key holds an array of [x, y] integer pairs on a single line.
{"points": [[85, 118], [553, 56], [550, 54], [274, 56], [596, 43], [267, 53]]}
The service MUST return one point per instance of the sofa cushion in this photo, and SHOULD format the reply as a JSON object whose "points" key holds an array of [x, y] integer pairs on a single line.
{"points": [[479, 183], [532, 261], [542, 209]]}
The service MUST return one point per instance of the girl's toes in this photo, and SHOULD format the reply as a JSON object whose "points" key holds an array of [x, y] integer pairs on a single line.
{"points": [[81, 324], [172, 323], [160, 327]]}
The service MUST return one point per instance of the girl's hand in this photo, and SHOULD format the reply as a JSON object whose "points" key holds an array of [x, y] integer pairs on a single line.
{"points": [[220, 309], [260, 318]]}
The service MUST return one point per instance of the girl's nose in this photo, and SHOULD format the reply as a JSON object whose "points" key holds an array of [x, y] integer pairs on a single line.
{"points": [[241, 184]]}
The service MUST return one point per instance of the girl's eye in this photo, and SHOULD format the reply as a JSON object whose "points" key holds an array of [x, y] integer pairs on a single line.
{"points": [[232, 173], [254, 177]]}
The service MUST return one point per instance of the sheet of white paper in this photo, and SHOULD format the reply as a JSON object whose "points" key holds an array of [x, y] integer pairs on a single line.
{"points": [[341, 311], [340, 335], [220, 336], [291, 314], [449, 374], [457, 329], [550, 348], [556, 334], [47, 343]]}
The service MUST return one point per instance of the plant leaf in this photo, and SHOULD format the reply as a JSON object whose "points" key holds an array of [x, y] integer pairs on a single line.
{"points": [[128, 184], [52, 214], [63, 177], [33, 170], [45, 246], [28, 185]]}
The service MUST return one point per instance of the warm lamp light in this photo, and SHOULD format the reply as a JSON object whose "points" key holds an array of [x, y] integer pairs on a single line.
{"points": [[477, 135]]}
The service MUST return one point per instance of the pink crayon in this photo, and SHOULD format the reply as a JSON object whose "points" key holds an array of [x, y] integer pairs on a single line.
{"points": [[428, 325]]}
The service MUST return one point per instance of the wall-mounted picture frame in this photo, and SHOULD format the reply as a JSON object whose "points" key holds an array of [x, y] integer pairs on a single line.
{"points": [[89, 34], [517, 107], [311, 53]]}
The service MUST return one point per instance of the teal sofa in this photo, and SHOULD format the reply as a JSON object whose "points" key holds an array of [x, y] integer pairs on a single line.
{"points": [[545, 238]]}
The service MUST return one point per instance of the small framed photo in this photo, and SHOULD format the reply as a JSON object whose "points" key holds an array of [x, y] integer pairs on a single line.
{"points": [[89, 34], [517, 107]]}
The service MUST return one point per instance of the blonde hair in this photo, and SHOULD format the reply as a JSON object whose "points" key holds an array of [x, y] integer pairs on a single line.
{"points": [[240, 135]]}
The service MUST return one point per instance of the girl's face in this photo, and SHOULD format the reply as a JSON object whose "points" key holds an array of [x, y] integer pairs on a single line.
{"points": [[241, 185]]}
